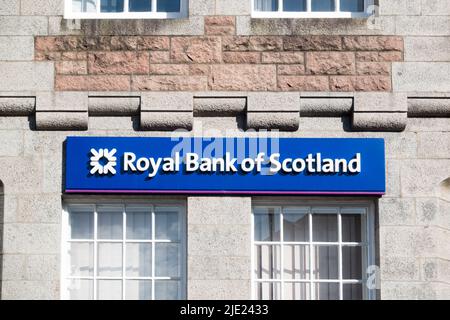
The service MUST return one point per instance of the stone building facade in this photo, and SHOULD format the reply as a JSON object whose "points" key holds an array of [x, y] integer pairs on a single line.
{"points": [[386, 76]]}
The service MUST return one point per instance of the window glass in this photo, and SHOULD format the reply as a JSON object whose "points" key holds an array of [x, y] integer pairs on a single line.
{"points": [[322, 5], [148, 263], [140, 5], [290, 262], [294, 5], [84, 6], [168, 6], [111, 5], [352, 5], [266, 5]]}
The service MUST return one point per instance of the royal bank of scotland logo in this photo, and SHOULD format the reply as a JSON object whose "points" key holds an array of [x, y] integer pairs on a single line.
{"points": [[103, 161]]}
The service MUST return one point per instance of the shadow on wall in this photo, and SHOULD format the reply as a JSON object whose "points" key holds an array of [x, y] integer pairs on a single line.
{"points": [[1, 234], [444, 190]]}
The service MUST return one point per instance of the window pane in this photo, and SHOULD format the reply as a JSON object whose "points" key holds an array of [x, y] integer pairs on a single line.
{"points": [[168, 6], [327, 291], [325, 262], [325, 228], [81, 224], [296, 262], [294, 5], [111, 6], [351, 227], [352, 291], [267, 224], [140, 5], [352, 263], [167, 290], [268, 290], [83, 6], [138, 290], [297, 291], [81, 259], [352, 5], [139, 224], [266, 5], [322, 5], [268, 262], [296, 225], [109, 289], [166, 225], [109, 260], [81, 289], [167, 262], [110, 221], [139, 260]]}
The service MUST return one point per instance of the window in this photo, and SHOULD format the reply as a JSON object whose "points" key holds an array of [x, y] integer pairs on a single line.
{"points": [[312, 252], [125, 9], [311, 8], [123, 251]]}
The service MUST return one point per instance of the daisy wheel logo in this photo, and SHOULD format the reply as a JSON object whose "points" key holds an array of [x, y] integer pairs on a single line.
{"points": [[103, 161]]}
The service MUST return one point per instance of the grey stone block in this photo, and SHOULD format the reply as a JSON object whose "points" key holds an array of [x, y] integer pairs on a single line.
{"points": [[42, 267], [26, 76], [160, 121], [39, 238], [209, 210], [167, 111], [379, 121], [114, 106], [400, 269], [435, 7], [428, 124], [11, 143], [435, 269], [433, 211], [232, 7], [273, 102], [209, 106], [433, 49], [433, 145], [380, 102], [219, 290], [395, 290], [42, 8], [61, 121], [62, 101], [429, 107], [16, 106], [39, 208], [217, 267], [393, 188], [30, 290], [60, 26], [325, 107], [23, 25], [286, 121], [400, 7], [397, 211], [21, 174], [112, 123], [423, 25], [202, 7], [431, 172], [14, 266], [9, 7], [16, 48], [412, 242], [421, 76]]}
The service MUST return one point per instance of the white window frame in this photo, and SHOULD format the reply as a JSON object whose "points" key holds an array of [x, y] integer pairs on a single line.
{"points": [[368, 11], [320, 206], [69, 14], [65, 277]]}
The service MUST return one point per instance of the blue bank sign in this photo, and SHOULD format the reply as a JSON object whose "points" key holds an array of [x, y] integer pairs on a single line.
{"points": [[225, 165]]}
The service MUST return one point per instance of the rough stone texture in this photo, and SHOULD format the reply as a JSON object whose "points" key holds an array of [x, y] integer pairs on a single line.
{"points": [[303, 83], [20, 106], [429, 107], [360, 83], [169, 83], [379, 121], [220, 25], [330, 63], [219, 106], [9, 7], [118, 63], [243, 77], [219, 243], [104, 106], [196, 50], [324, 106]]}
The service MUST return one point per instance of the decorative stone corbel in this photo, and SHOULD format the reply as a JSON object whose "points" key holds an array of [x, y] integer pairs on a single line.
{"points": [[273, 111], [62, 111], [161, 111], [380, 111]]}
